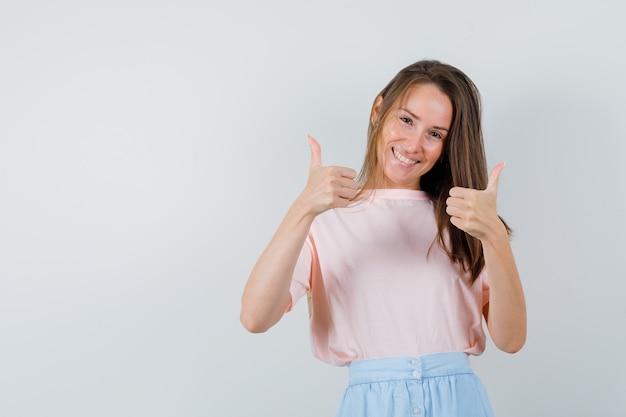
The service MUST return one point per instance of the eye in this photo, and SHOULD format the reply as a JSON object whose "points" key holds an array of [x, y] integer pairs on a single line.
{"points": [[436, 135], [406, 120]]}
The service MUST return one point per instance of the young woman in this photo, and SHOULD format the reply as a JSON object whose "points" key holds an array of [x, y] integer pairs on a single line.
{"points": [[402, 262]]}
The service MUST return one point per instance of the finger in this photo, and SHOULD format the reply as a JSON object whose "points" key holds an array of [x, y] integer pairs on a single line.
{"points": [[454, 211], [457, 222], [494, 177], [346, 193], [340, 172], [316, 152], [345, 182], [458, 192], [347, 173], [455, 202]]}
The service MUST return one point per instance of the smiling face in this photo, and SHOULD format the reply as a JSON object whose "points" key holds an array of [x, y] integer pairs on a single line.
{"points": [[412, 136]]}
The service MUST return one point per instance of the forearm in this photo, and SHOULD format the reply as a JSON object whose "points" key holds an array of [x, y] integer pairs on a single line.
{"points": [[266, 295], [506, 315]]}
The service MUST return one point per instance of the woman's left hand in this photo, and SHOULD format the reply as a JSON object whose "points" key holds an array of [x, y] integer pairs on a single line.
{"points": [[474, 211]]}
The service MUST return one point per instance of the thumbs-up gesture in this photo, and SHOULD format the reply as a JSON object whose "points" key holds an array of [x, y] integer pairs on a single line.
{"points": [[474, 211], [327, 187]]}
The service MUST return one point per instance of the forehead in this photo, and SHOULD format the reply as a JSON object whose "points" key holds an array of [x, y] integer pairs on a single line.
{"points": [[427, 101], [421, 92]]}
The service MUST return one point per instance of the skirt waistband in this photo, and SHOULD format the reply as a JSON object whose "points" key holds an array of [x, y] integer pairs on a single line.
{"points": [[410, 367]]}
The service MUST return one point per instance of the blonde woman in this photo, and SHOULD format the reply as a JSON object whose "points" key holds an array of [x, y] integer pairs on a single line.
{"points": [[402, 262]]}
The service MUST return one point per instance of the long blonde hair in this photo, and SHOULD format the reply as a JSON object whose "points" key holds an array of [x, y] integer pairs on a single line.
{"points": [[462, 163]]}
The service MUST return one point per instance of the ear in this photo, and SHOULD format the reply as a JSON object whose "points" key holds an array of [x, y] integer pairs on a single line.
{"points": [[378, 103]]}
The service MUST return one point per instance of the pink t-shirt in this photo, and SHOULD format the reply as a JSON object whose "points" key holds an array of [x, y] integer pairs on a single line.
{"points": [[376, 290]]}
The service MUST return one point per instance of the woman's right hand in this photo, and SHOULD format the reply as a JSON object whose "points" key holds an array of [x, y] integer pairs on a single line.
{"points": [[266, 296], [327, 187]]}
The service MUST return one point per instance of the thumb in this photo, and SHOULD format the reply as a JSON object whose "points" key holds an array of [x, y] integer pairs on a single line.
{"points": [[494, 177], [316, 152]]}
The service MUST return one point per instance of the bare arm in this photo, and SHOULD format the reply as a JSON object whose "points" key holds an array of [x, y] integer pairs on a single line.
{"points": [[506, 310], [266, 295], [474, 211]]}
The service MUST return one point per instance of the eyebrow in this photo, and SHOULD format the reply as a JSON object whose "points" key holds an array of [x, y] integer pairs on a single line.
{"points": [[416, 117]]}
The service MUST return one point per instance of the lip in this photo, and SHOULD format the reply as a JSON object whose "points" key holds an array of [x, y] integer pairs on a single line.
{"points": [[403, 159]]}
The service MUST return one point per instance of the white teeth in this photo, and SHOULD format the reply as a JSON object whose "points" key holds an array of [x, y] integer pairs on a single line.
{"points": [[403, 159]]}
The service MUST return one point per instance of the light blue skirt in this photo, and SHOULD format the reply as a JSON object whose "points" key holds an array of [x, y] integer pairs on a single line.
{"points": [[437, 385]]}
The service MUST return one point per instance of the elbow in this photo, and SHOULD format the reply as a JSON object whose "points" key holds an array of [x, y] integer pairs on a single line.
{"points": [[513, 345], [251, 323], [512, 348], [259, 317]]}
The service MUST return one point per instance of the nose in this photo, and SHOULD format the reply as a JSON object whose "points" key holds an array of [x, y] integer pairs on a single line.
{"points": [[414, 141]]}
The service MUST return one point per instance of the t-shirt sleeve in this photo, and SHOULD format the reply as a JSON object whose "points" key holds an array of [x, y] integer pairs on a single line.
{"points": [[484, 278], [301, 279]]}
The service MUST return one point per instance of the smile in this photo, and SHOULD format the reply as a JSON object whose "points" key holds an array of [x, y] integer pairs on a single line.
{"points": [[402, 158]]}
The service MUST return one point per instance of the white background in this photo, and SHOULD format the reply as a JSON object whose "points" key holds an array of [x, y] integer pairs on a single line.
{"points": [[149, 149]]}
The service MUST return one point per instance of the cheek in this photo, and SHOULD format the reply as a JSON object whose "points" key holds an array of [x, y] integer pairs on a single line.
{"points": [[393, 131], [435, 148], [389, 136], [384, 139]]}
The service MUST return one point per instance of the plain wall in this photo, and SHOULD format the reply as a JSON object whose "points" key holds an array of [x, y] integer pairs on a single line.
{"points": [[149, 149]]}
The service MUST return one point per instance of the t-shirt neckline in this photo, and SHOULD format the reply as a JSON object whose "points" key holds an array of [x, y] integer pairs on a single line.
{"points": [[400, 193]]}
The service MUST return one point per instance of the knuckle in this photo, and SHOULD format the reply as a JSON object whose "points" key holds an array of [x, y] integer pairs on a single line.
{"points": [[334, 171]]}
